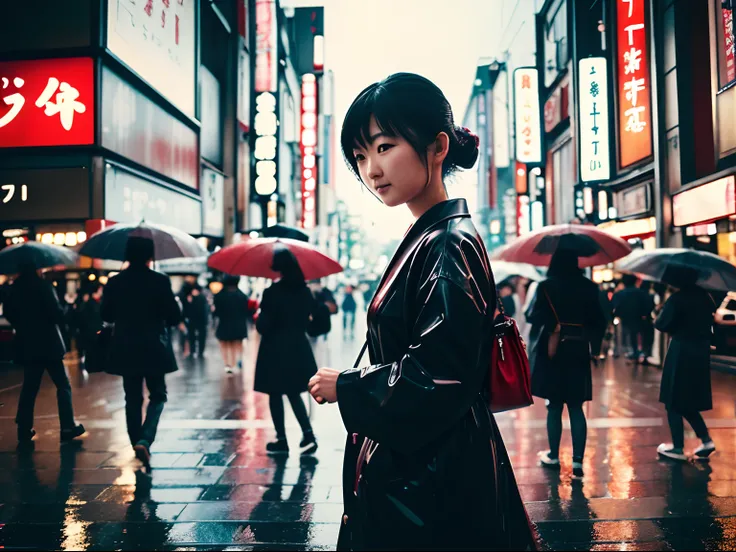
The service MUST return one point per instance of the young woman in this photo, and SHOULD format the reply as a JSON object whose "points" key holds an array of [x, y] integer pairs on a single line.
{"points": [[425, 465], [285, 359]]}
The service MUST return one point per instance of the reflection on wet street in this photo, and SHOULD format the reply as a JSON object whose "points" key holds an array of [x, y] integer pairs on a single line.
{"points": [[212, 486]]}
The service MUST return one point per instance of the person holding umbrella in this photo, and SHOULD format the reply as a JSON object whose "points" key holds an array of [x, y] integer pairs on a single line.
{"points": [[141, 305], [566, 318], [685, 388], [32, 307], [285, 359]]}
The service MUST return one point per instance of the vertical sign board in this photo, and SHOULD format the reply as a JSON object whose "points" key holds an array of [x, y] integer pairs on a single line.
{"points": [[527, 118], [265, 119], [634, 104], [594, 142], [308, 143]]}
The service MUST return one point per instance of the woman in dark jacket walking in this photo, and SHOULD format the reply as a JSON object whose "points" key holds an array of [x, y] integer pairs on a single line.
{"points": [[141, 304], [285, 359], [231, 311], [32, 308], [425, 465], [566, 297], [685, 388]]}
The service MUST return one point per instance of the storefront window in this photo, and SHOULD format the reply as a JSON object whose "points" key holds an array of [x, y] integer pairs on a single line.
{"points": [[725, 47]]}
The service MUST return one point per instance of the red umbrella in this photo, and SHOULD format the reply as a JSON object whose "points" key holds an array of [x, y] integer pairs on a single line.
{"points": [[594, 247], [253, 257]]}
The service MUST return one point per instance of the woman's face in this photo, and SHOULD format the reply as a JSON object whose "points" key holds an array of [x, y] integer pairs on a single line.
{"points": [[390, 167]]}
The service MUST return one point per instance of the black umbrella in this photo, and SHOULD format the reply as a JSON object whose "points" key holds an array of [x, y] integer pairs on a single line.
{"points": [[281, 231], [666, 264], [168, 242], [40, 255]]}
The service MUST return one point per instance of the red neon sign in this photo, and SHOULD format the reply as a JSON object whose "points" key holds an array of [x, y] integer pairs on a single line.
{"points": [[634, 104], [47, 102]]}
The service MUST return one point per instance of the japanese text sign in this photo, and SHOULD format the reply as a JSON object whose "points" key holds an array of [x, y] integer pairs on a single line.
{"points": [[266, 47], [156, 39], [527, 117], [594, 141], [728, 44], [47, 102], [634, 105]]}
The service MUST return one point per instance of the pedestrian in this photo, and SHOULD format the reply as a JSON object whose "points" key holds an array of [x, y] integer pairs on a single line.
{"points": [[349, 307], [566, 310], [506, 293], [88, 319], [285, 359], [32, 308], [631, 305], [141, 304], [647, 324], [231, 312], [197, 315], [685, 388], [425, 465]]}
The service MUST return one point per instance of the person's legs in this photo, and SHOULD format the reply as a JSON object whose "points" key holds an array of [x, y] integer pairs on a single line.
{"points": [[677, 429], [300, 411], [156, 400], [63, 394], [225, 351], [579, 429], [32, 376], [202, 338], [192, 335], [276, 404], [133, 387], [696, 421], [554, 428]]}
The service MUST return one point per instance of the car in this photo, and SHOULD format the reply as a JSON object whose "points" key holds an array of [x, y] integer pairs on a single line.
{"points": [[724, 328]]}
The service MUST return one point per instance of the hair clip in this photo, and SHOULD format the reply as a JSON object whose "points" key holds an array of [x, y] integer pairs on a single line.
{"points": [[472, 134]]}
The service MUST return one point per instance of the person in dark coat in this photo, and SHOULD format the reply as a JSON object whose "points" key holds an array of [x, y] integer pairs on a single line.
{"points": [[348, 308], [647, 324], [631, 305], [425, 465], [285, 359], [197, 315], [565, 297], [141, 304], [32, 308], [88, 319], [231, 311], [685, 388]]}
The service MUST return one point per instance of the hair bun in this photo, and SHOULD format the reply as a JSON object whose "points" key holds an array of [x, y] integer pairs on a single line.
{"points": [[465, 152]]}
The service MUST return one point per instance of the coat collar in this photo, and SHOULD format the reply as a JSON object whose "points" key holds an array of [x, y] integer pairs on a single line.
{"points": [[445, 210]]}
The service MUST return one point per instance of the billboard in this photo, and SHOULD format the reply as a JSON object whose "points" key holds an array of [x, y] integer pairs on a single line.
{"points": [[527, 118], [595, 164]]}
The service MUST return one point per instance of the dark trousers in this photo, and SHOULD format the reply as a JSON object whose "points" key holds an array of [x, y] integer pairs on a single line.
{"points": [[138, 429], [197, 338], [677, 428], [631, 340], [578, 427], [348, 321], [32, 376], [276, 402]]}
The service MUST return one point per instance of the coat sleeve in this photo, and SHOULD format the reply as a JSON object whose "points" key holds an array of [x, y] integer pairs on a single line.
{"points": [[667, 321], [409, 403], [107, 310], [265, 321], [172, 310], [51, 304]]}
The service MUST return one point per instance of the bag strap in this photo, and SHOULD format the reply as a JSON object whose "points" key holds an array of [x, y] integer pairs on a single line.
{"points": [[360, 355], [551, 305]]}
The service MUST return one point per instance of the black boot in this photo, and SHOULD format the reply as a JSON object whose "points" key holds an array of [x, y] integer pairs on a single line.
{"points": [[72, 433], [280, 446], [26, 435], [310, 442]]}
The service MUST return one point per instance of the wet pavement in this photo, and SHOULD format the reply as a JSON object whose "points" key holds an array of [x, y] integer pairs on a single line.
{"points": [[212, 487]]}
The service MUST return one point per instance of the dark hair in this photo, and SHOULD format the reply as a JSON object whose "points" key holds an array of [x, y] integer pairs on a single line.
{"points": [[629, 280], [138, 250], [413, 107], [564, 264], [285, 263], [231, 281]]}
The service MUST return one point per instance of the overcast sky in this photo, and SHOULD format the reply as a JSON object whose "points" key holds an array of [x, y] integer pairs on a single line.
{"points": [[366, 40]]}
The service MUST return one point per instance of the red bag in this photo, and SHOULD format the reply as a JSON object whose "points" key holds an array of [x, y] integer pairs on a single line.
{"points": [[510, 380]]}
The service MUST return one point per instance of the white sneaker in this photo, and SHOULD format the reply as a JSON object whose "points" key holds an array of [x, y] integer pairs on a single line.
{"points": [[229, 369], [546, 461], [704, 451], [668, 451]]}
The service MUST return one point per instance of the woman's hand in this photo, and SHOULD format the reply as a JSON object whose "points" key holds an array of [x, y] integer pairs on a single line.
{"points": [[323, 385]]}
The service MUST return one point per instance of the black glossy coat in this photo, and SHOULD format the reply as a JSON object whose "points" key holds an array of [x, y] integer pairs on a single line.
{"points": [[425, 465]]}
